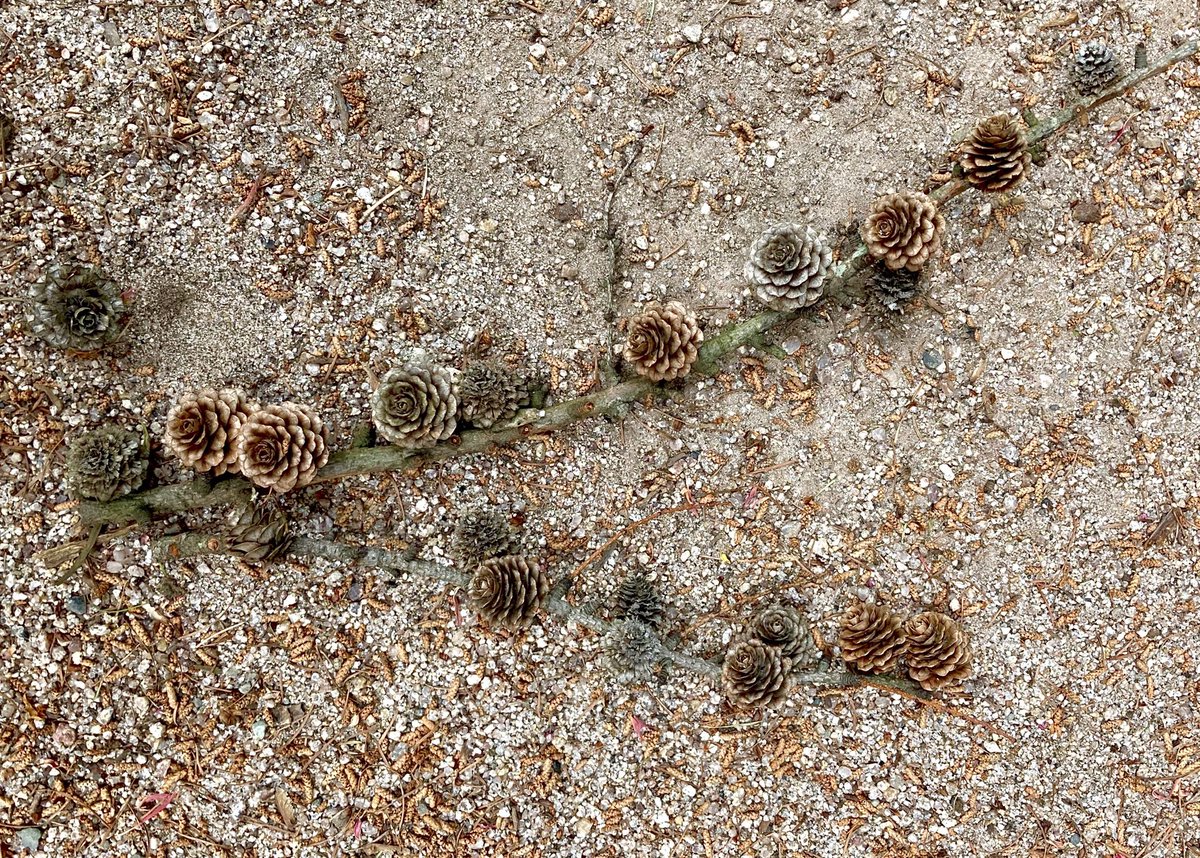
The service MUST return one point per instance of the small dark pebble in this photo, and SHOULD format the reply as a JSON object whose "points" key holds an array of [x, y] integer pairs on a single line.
{"points": [[1086, 212], [932, 358], [76, 604], [564, 212]]}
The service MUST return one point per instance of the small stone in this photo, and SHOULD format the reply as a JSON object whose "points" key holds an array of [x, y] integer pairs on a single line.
{"points": [[30, 838], [64, 735], [569, 272], [77, 605], [1086, 212], [932, 359], [693, 33]]}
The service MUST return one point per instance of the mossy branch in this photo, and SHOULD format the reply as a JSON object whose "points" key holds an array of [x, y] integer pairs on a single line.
{"points": [[609, 400], [195, 544]]}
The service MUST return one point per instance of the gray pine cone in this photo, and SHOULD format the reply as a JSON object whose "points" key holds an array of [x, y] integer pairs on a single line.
{"points": [[1095, 68], [895, 287], [416, 406], [632, 649], [76, 307], [281, 447], [788, 266], [489, 393], [784, 627], [754, 674], [203, 428], [259, 535], [482, 533], [508, 591], [106, 463], [637, 599]]}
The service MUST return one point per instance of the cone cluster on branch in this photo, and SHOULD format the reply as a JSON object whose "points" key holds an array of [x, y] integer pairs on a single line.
{"points": [[106, 463], [1095, 68], [259, 536], [939, 651], [638, 599], [281, 447], [903, 230], [416, 405], [782, 626], [76, 307], [664, 341], [935, 650], [202, 429], [754, 674], [488, 394], [633, 650], [787, 267], [508, 591], [996, 156], [482, 533]]}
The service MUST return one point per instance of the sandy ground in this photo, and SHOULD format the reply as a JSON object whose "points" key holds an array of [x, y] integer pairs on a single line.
{"points": [[1012, 451]]}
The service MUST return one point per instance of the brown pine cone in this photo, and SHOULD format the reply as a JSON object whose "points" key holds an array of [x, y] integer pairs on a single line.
{"points": [[783, 626], [872, 638], [508, 591], [203, 427], [939, 651], [259, 535], [281, 447], [995, 157], [416, 406], [755, 674], [903, 229], [664, 341]]}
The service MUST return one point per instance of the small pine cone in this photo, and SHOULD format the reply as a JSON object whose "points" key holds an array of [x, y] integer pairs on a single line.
{"points": [[281, 447], [203, 427], [632, 649], [416, 406], [782, 626], [903, 229], [1095, 68], [664, 341], [872, 638], [482, 533], [259, 536], [508, 591], [788, 266], [106, 463], [638, 599], [755, 674], [895, 287], [76, 307], [488, 394], [939, 651], [996, 157]]}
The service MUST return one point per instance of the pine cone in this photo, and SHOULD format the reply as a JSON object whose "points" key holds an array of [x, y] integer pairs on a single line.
{"points": [[996, 157], [903, 229], [482, 533], [632, 649], [488, 394], [664, 341], [638, 599], [1095, 68], [755, 674], [76, 307], [895, 287], [783, 626], [872, 638], [203, 427], [508, 591], [259, 536], [787, 267], [106, 463], [939, 651], [281, 447], [416, 406]]}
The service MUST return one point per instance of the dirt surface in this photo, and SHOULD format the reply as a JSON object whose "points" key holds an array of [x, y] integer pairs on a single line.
{"points": [[295, 195]]}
